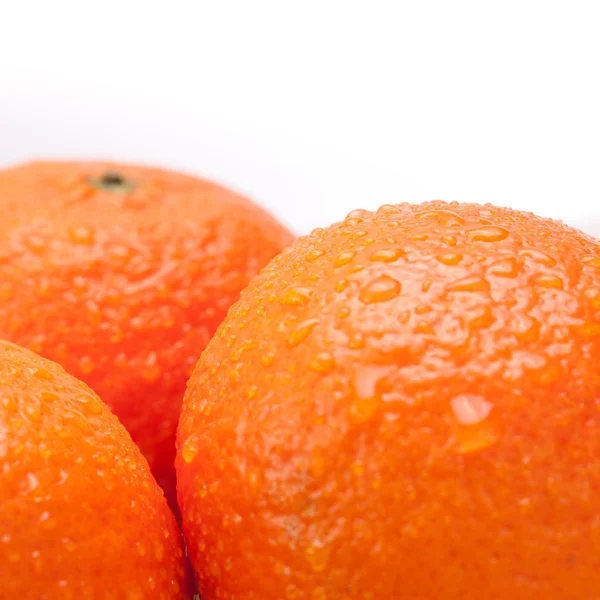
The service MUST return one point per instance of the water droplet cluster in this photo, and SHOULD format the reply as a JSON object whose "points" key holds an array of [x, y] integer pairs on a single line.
{"points": [[125, 284], [75, 490], [401, 364]]}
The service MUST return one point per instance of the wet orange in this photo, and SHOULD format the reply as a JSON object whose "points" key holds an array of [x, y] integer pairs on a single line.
{"points": [[403, 405], [121, 274], [80, 514]]}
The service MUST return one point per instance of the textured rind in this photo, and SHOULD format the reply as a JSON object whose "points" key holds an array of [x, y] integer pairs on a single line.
{"points": [[125, 290], [80, 513], [403, 405]]}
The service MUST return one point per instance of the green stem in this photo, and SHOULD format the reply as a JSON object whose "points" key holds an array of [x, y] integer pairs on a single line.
{"points": [[113, 182]]}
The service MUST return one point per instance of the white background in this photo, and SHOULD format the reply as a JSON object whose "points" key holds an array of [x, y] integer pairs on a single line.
{"points": [[316, 108]]}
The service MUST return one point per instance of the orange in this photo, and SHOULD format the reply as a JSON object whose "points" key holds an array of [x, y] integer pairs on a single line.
{"points": [[403, 405], [121, 274], [80, 514]]}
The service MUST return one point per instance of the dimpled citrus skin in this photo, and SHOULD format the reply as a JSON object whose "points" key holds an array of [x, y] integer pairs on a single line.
{"points": [[403, 405], [80, 514], [124, 285]]}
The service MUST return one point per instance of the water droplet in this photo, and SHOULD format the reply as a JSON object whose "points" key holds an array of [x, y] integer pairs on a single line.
{"points": [[344, 258], [475, 438], [480, 317], [121, 360], [314, 255], [423, 309], [446, 218], [487, 233], [267, 359], [35, 243], [386, 255], [341, 285], [91, 403], [382, 289], [423, 327], [32, 482], [426, 285], [507, 267], [302, 331], [548, 280], [254, 479], [49, 397], [358, 213], [33, 412], [251, 392], [470, 409], [470, 284], [367, 400], [292, 592], [296, 296], [343, 312], [419, 237], [404, 317], [189, 451], [357, 341], [352, 222], [449, 258], [86, 365], [322, 362], [47, 521], [82, 235], [362, 409], [449, 240], [387, 209], [592, 295], [526, 328], [68, 544], [151, 371], [592, 261], [538, 256], [42, 373], [317, 555]]}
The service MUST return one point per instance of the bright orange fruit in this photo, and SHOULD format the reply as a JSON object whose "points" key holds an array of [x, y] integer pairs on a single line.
{"points": [[403, 405], [122, 274], [80, 514]]}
